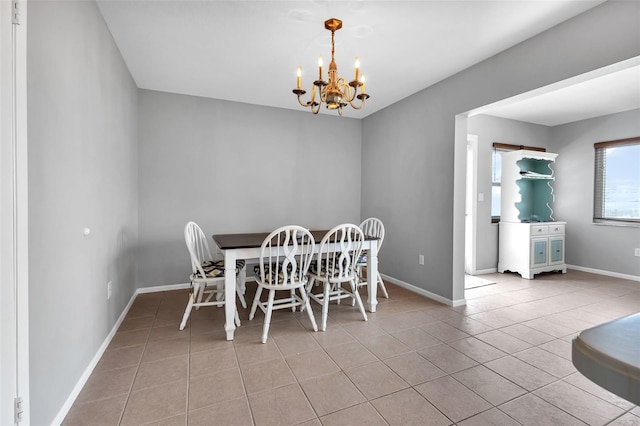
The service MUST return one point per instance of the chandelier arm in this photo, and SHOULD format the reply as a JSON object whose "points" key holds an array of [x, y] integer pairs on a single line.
{"points": [[346, 90], [299, 93], [363, 97], [357, 107], [313, 96], [306, 104], [313, 102]]}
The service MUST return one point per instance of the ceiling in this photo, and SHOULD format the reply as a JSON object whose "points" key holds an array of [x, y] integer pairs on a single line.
{"points": [[248, 51], [612, 92]]}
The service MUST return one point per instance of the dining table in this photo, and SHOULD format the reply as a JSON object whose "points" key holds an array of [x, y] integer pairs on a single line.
{"points": [[247, 246], [609, 355]]}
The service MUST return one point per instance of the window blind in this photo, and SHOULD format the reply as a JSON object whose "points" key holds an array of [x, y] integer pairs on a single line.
{"points": [[599, 182], [604, 191]]}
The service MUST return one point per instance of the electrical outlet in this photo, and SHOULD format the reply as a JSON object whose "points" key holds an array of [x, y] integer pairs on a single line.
{"points": [[637, 252], [421, 259], [109, 290]]}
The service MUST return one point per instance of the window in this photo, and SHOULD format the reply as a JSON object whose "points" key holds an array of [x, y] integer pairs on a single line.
{"points": [[496, 190], [617, 181], [496, 175]]}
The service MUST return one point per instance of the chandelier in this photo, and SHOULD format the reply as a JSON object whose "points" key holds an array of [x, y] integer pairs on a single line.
{"points": [[336, 93]]}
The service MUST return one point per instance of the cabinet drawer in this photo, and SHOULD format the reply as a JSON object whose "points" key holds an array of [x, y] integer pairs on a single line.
{"points": [[556, 229], [539, 230]]}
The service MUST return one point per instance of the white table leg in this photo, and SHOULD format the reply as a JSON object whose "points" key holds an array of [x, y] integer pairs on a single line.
{"points": [[229, 292], [372, 275]]}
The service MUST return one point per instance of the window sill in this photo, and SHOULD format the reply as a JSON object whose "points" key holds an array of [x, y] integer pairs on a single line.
{"points": [[617, 223]]}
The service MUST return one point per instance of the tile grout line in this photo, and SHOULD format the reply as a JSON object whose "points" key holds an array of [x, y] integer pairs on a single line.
{"points": [[186, 408], [124, 408]]}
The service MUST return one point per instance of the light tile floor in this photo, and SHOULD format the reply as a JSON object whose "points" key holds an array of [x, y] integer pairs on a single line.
{"points": [[503, 359]]}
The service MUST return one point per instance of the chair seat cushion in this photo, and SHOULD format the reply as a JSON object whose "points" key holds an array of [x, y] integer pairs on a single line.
{"points": [[332, 271], [363, 258], [215, 268], [274, 267]]}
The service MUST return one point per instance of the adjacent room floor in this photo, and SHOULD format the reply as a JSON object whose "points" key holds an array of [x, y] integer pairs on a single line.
{"points": [[503, 359]]}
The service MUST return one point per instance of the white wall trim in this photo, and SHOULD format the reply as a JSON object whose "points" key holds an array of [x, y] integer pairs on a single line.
{"points": [[158, 288], [471, 206], [607, 273], [425, 293], [64, 410], [14, 215], [486, 271]]}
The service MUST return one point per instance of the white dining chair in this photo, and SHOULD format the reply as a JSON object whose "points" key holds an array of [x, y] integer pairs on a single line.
{"points": [[285, 256], [207, 277], [335, 266], [375, 228]]}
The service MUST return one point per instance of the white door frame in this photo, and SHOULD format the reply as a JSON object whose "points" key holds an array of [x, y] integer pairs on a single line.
{"points": [[14, 280], [471, 206]]}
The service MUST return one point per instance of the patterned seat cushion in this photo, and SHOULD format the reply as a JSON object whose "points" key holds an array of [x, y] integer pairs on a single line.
{"points": [[363, 258], [333, 271], [274, 267], [215, 268]]}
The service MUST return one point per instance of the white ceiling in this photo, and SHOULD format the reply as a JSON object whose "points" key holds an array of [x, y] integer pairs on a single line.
{"points": [[248, 51], [607, 94]]}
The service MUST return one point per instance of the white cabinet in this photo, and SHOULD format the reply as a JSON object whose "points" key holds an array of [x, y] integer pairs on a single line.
{"points": [[531, 248], [530, 239]]}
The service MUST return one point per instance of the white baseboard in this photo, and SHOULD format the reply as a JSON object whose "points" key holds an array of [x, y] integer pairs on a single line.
{"points": [[162, 288], [607, 273], [64, 410], [423, 292], [487, 271]]}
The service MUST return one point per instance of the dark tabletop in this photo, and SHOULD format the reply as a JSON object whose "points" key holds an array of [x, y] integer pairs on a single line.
{"points": [[252, 240]]}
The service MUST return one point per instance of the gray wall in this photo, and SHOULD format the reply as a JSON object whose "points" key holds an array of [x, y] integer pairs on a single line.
{"points": [[489, 130], [83, 172], [234, 167], [604, 247], [409, 176], [406, 167]]}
